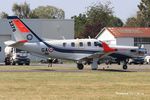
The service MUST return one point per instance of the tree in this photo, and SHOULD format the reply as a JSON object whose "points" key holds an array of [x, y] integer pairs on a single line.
{"points": [[142, 18], [132, 22], [48, 12], [22, 10], [91, 30], [98, 17], [80, 22], [3, 15], [115, 22], [99, 13], [144, 12], [26, 10]]}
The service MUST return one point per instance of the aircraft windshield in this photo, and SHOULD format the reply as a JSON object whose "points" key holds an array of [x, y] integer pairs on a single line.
{"points": [[98, 44]]}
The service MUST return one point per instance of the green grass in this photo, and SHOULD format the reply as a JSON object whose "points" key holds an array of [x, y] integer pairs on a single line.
{"points": [[70, 85]]}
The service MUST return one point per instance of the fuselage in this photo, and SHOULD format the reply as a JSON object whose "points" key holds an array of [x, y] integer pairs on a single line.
{"points": [[73, 49]]}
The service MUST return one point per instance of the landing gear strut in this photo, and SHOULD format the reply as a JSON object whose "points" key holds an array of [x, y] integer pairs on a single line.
{"points": [[80, 66], [94, 64], [125, 65]]}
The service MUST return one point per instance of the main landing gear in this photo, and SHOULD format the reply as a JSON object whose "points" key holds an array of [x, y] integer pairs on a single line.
{"points": [[94, 65], [80, 66]]}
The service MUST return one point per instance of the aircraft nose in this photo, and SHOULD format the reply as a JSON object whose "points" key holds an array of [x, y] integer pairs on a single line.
{"points": [[142, 51]]}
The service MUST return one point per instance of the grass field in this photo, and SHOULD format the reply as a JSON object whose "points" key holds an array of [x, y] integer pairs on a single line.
{"points": [[42, 83]]}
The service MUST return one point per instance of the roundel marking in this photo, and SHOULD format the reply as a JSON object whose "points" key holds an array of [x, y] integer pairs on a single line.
{"points": [[50, 49], [29, 37]]}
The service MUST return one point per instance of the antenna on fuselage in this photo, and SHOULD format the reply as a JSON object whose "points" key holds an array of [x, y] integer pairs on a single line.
{"points": [[89, 37]]}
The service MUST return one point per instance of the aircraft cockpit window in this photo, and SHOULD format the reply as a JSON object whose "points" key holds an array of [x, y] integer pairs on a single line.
{"points": [[72, 44], [64, 44], [81, 44], [89, 43], [97, 44]]}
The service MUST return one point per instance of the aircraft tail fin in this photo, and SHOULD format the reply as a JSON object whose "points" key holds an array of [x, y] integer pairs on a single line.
{"points": [[21, 31]]}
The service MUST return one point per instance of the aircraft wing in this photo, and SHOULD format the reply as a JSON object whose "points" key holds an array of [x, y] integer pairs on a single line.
{"points": [[120, 56], [120, 53], [125, 53], [117, 55]]}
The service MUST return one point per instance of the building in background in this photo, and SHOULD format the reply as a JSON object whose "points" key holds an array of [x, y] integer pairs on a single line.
{"points": [[127, 36], [46, 28]]}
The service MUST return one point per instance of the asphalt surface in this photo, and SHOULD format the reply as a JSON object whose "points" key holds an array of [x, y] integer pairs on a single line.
{"points": [[71, 67]]}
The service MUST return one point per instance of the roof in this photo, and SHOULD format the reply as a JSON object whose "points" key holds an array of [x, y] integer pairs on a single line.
{"points": [[128, 31]]}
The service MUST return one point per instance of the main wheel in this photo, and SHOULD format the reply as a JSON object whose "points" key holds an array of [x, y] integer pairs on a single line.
{"points": [[125, 67], [27, 63], [13, 63], [80, 66], [7, 63], [20, 63]]}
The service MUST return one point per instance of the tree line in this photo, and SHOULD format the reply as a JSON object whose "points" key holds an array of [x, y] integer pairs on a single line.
{"points": [[96, 17], [89, 23], [142, 17], [24, 11]]}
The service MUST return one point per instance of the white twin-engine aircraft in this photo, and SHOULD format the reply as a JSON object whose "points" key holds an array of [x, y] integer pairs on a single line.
{"points": [[79, 50]]}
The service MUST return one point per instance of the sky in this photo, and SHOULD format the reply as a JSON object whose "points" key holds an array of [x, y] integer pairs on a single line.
{"points": [[122, 8]]}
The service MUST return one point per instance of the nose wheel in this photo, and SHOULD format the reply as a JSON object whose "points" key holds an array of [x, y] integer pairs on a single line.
{"points": [[125, 67]]}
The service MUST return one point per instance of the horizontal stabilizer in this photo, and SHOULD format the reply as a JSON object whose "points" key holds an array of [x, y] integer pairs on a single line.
{"points": [[15, 43]]}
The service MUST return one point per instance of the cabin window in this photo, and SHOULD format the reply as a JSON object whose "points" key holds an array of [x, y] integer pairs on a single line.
{"points": [[97, 44], [64, 44], [72, 44], [89, 43], [81, 44]]}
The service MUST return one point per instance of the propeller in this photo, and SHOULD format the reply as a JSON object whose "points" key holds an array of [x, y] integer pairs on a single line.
{"points": [[142, 50]]}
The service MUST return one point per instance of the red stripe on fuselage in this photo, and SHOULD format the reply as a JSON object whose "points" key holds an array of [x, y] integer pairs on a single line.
{"points": [[23, 41], [20, 26], [107, 48]]}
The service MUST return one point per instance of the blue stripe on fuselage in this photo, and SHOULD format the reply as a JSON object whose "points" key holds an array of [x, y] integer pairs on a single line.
{"points": [[65, 50]]}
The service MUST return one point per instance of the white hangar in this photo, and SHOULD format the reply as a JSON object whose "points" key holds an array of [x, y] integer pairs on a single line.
{"points": [[46, 28], [127, 36]]}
